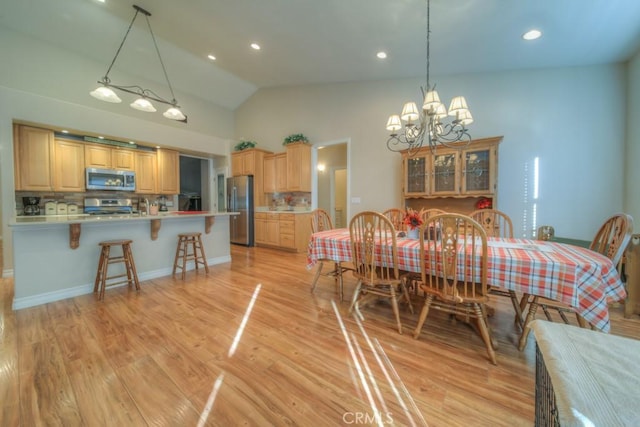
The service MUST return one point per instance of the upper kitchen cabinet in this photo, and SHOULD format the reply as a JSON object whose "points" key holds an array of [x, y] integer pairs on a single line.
{"points": [[275, 173], [269, 173], [281, 172], [33, 154], [146, 167], [122, 159], [105, 157], [298, 167], [248, 162], [251, 162], [168, 171], [68, 166], [452, 179]]}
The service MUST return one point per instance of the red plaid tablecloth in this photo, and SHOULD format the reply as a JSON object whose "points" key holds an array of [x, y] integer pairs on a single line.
{"points": [[578, 277]]}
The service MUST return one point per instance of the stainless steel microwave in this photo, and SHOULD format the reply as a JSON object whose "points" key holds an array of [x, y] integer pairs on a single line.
{"points": [[110, 179]]}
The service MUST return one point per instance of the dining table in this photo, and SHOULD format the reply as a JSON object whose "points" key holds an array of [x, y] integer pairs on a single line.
{"points": [[581, 278]]}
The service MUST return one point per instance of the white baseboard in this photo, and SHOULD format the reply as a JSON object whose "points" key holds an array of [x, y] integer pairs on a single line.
{"points": [[47, 297]]}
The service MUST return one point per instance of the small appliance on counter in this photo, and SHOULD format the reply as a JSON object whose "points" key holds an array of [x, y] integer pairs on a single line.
{"points": [[31, 205], [162, 201], [61, 208], [50, 208], [72, 209]]}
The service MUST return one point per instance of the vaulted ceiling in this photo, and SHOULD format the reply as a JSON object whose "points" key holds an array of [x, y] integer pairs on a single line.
{"points": [[321, 41]]}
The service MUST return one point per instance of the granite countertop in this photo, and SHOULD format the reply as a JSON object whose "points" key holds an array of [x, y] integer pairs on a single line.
{"points": [[86, 218]]}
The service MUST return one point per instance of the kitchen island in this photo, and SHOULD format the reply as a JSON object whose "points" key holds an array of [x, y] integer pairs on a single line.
{"points": [[56, 257]]}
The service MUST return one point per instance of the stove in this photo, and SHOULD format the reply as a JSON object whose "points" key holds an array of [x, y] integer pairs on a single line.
{"points": [[94, 206]]}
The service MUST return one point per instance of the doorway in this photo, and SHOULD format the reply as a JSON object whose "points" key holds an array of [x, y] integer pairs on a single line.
{"points": [[332, 181]]}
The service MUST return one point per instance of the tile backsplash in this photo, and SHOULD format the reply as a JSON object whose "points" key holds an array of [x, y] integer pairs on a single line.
{"points": [[77, 198]]}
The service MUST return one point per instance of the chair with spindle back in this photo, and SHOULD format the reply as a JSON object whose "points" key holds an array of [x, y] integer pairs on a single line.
{"points": [[321, 221], [611, 240], [453, 277], [396, 216], [374, 255], [498, 224], [428, 213]]}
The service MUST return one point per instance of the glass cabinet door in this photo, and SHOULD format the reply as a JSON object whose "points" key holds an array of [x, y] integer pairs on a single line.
{"points": [[477, 171], [417, 175], [445, 178]]}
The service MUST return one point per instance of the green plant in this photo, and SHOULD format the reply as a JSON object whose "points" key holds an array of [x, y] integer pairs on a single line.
{"points": [[295, 138], [243, 145]]}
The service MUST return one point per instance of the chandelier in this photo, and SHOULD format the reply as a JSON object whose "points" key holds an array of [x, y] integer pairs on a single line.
{"points": [[142, 103], [428, 127]]}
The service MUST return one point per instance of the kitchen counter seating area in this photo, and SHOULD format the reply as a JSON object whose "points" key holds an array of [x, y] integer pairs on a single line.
{"points": [[48, 268]]}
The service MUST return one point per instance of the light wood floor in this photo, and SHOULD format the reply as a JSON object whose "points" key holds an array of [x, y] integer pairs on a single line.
{"points": [[249, 345]]}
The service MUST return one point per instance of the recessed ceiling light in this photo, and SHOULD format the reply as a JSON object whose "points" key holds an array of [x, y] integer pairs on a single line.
{"points": [[131, 142], [381, 55], [255, 46], [532, 35], [211, 57], [65, 131], [101, 137]]}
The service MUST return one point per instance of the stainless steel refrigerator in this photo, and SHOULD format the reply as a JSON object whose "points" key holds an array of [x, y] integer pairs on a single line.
{"points": [[240, 199]]}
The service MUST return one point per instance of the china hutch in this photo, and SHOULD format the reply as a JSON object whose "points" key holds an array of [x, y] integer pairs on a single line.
{"points": [[453, 179]]}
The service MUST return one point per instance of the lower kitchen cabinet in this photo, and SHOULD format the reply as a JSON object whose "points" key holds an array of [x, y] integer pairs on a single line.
{"points": [[283, 230]]}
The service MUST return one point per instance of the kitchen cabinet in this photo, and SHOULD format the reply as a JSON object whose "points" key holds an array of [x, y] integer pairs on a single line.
{"points": [[283, 230], [267, 228], [68, 166], [251, 162], [122, 159], [247, 162], [146, 168], [291, 170], [106, 157], [281, 172], [269, 173], [97, 156], [33, 155], [168, 171], [452, 179], [298, 167]]}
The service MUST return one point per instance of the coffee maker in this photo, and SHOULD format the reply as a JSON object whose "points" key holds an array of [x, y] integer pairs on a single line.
{"points": [[31, 205]]}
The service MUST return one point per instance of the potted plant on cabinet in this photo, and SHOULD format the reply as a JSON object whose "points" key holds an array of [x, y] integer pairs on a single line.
{"points": [[244, 145], [295, 137]]}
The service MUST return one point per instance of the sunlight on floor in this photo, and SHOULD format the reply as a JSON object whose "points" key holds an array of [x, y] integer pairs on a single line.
{"points": [[364, 378]]}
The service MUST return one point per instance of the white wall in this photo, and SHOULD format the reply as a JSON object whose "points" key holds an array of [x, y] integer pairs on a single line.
{"points": [[571, 119], [632, 170]]}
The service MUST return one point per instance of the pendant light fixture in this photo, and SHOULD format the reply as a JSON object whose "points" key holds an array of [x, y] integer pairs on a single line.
{"points": [[428, 127], [106, 93]]}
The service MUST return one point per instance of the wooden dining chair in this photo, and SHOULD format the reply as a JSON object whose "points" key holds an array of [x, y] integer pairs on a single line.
{"points": [[498, 224], [611, 240], [454, 274], [374, 255], [396, 216], [428, 213], [495, 223], [321, 221]]}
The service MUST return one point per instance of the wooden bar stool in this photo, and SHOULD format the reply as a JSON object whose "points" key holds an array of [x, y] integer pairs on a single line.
{"points": [[106, 258], [189, 249]]}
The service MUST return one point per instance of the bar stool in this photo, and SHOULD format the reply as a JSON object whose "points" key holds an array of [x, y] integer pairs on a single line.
{"points": [[106, 258], [189, 249]]}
